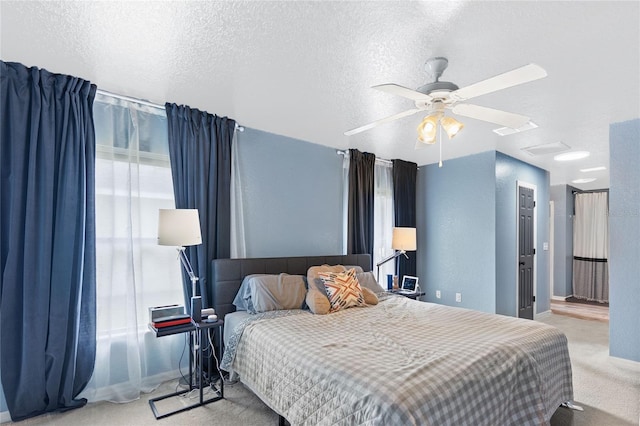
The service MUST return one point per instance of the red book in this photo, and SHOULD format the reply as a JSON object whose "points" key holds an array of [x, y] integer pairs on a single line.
{"points": [[171, 323]]}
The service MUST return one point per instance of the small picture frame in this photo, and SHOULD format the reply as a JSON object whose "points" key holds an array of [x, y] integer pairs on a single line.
{"points": [[409, 284]]}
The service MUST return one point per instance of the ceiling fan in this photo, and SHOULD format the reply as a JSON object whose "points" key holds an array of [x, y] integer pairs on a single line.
{"points": [[437, 96]]}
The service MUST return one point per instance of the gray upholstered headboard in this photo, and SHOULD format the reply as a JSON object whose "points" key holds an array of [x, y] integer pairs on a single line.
{"points": [[227, 274]]}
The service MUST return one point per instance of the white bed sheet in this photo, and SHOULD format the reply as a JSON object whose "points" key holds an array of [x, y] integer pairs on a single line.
{"points": [[231, 321]]}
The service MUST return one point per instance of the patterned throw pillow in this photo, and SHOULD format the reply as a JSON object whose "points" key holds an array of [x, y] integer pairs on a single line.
{"points": [[343, 289], [317, 299]]}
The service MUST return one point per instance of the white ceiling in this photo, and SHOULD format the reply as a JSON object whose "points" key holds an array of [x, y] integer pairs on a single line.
{"points": [[304, 69]]}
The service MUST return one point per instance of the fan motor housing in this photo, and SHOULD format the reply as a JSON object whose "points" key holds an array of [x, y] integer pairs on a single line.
{"points": [[432, 89]]}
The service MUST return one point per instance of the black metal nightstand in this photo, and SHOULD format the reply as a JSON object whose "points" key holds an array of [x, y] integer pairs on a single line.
{"points": [[201, 329]]}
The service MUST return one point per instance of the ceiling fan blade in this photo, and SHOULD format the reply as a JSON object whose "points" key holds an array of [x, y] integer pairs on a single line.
{"points": [[381, 121], [395, 89], [508, 79], [507, 119]]}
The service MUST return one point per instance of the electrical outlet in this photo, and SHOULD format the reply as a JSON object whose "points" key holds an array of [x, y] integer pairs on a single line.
{"points": [[438, 294], [458, 297]]}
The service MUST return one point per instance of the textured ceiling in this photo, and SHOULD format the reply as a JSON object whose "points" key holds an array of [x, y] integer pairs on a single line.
{"points": [[304, 69]]}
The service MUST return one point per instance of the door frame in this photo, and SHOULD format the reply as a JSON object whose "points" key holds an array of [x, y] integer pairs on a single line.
{"points": [[523, 184], [552, 231]]}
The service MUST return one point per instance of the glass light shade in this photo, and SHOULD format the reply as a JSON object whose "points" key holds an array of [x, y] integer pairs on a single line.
{"points": [[404, 239], [451, 126], [427, 129], [179, 227]]}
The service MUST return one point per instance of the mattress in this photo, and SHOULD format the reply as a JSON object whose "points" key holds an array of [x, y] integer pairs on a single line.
{"points": [[402, 362]]}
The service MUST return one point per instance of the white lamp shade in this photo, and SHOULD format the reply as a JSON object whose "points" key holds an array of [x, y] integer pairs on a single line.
{"points": [[179, 227], [404, 239]]}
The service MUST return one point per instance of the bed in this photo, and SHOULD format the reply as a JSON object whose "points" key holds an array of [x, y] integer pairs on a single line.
{"points": [[401, 361]]}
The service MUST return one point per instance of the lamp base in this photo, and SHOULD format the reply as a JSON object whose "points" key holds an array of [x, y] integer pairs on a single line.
{"points": [[196, 308]]}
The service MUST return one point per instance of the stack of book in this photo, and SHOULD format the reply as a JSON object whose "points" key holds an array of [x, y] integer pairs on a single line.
{"points": [[171, 324], [171, 320]]}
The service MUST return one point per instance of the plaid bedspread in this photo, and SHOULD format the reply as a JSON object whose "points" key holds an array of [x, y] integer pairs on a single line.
{"points": [[404, 362]]}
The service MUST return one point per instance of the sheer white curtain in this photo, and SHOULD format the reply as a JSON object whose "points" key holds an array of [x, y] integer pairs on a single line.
{"points": [[383, 219], [238, 242], [591, 246], [345, 200], [133, 181]]}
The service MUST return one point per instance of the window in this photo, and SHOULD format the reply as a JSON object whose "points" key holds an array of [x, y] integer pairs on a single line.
{"points": [[383, 215], [133, 273], [133, 181]]}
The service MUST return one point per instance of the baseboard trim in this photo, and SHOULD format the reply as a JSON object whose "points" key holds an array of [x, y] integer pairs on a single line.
{"points": [[5, 417], [560, 298], [542, 315]]}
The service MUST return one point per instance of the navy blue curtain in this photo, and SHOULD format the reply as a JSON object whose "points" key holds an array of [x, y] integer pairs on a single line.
{"points": [[405, 174], [360, 223], [47, 239], [200, 153]]}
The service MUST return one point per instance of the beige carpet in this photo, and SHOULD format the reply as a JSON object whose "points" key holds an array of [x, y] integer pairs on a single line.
{"points": [[607, 388]]}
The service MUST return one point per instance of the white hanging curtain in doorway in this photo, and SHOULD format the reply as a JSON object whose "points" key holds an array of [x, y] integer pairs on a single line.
{"points": [[591, 247]]}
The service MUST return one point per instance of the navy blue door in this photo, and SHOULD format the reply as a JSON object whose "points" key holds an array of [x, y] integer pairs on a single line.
{"points": [[526, 252]]}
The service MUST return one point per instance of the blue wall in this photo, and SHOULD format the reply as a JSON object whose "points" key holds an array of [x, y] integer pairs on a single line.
{"points": [[624, 240], [562, 197], [292, 196], [509, 171], [456, 231], [467, 231]]}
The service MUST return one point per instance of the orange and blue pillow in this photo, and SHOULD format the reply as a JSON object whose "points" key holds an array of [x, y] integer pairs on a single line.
{"points": [[343, 289]]}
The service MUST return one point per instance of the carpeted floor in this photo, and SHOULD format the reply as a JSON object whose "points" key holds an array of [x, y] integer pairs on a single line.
{"points": [[607, 388]]}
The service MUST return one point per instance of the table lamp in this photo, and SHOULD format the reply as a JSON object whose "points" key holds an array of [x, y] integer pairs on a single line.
{"points": [[180, 228], [403, 240]]}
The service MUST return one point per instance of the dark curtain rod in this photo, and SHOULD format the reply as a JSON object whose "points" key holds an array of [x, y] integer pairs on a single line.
{"points": [[579, 191]]}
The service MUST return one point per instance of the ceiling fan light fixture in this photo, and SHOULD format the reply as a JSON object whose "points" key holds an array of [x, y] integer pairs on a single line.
{"points": [[451, 126], [436, 96], [427, 129]]}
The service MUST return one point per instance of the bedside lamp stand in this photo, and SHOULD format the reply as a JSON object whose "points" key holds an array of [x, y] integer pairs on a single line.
{"points": [[403, 240]]}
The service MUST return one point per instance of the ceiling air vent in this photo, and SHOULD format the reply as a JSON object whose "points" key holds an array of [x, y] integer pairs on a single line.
{"points": [[547, 148], [504, 131]]}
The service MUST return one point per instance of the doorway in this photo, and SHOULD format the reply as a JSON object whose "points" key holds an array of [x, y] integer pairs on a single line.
{"points": [[526, 235]]}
